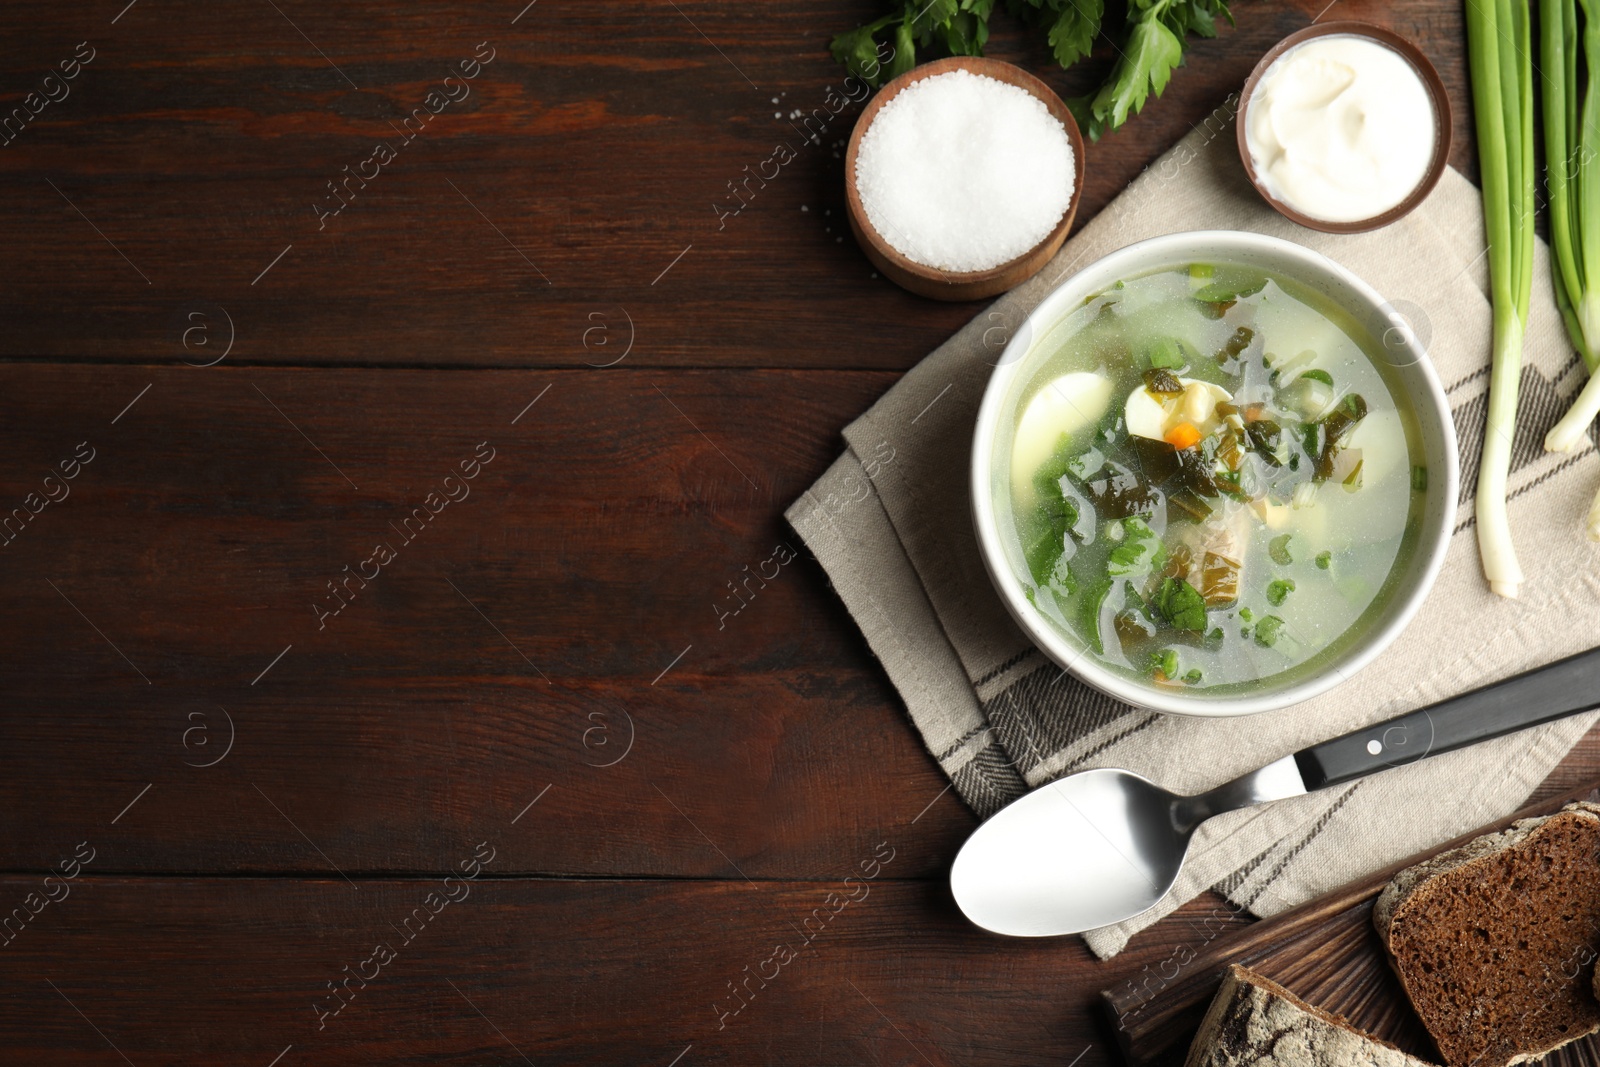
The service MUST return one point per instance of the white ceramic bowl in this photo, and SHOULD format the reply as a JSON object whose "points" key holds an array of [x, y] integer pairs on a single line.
{"points": [[1414, 374]]}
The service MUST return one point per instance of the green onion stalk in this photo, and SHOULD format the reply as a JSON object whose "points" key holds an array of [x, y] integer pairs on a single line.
{"points": [[1571, 138], [1499, 54]]}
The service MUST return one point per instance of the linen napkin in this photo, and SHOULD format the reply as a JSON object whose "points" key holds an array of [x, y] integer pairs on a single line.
{"points": [[890, 523]]}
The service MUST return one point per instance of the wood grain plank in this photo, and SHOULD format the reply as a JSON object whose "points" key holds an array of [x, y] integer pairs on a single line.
{"points": [[190, 152], [179, 971], [573, 610]]}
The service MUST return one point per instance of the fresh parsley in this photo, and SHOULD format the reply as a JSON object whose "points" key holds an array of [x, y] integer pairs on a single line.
{"points": [[1073, 27], [1149, 45]]}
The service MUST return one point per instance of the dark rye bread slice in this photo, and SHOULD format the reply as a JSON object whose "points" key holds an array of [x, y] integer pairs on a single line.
{"points": [[1495, 941], [1255, 1021]]}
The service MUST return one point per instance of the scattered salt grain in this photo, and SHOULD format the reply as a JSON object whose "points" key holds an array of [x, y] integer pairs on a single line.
{"points": [[963, 172]]}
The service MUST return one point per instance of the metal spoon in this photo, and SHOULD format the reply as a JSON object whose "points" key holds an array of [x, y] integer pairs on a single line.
{"points": [[1103, 845]]}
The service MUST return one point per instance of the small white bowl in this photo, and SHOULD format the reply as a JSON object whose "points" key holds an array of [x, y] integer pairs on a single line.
{"points": [[1416, 378]]}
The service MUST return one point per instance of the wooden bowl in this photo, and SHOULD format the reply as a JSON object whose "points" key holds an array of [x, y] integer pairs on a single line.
{"points": [[1430, 81], [960, 285]]}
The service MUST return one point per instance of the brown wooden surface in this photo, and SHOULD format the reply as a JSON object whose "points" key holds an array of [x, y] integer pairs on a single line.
{"points": [[535, 629]]}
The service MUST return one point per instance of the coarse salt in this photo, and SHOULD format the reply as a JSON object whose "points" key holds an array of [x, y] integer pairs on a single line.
{"points": [[963, 172]]}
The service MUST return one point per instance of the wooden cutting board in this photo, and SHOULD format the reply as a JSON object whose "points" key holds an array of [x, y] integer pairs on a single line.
{"points": [[1326, 951]]}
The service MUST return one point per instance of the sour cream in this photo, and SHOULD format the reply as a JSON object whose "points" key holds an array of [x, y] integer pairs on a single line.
{"points": [[1340, 128]]}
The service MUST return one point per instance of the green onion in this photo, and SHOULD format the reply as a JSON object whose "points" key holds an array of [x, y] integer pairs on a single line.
{"points": [[1499, 55], [1571, 137], [1166, 662]]}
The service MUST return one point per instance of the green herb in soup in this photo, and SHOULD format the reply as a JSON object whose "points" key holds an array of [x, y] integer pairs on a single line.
{"points": [[1210, 482]]}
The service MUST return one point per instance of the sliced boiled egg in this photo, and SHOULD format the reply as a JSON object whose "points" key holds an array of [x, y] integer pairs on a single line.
{"points": [[1273, 516], [1375, 436], [1067, 405], [1153, 415]]}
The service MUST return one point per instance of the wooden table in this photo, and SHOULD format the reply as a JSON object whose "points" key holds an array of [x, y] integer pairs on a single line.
{"points": [[244, 745]]}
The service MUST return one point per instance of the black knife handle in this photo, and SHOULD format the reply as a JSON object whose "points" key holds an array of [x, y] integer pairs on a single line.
{"points": [[1563, 688]]}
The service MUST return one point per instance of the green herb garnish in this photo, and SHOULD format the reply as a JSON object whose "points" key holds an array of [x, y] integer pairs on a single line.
{"points": [[1278, 549], [1194, 677], [1236, 343], [1124, 558], [1167, 354], [1138, 548], [1089, 607], [1318, 376], [1324, 560], [1222, 292], [1267, 631], [1149, 46], [1278, 591], [1165, 662], [1181, 605], [1162, 382]]}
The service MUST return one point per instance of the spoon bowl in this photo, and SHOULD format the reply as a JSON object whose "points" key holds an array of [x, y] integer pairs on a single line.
{"points": [[1084, 851], [1093, 848]]}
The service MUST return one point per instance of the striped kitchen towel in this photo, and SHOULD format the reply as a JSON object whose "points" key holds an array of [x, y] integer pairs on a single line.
{"points": [[890, 523]]}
